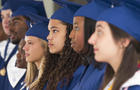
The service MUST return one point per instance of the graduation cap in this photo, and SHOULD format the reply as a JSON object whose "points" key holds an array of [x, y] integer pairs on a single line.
{"points": [[39, 30], [30, 12], [125, 17], [67, 11], [15, 4], [95, 8]]}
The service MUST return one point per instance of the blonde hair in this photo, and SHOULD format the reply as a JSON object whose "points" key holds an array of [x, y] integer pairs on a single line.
{"points": [[33, 75]]}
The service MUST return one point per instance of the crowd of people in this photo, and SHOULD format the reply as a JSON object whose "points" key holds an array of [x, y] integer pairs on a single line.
{"points": [[95, 46]]}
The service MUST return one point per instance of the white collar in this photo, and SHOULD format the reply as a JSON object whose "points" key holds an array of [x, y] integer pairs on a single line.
{"points": [[14, 73], [134, 80]]}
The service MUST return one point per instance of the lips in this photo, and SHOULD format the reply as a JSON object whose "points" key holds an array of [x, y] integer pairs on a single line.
{"points": [[12, 36], [72, 43], [95, 50], [50, 44], [26, 54]]}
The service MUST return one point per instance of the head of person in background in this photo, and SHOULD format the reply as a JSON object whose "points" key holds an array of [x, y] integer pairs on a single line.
{"points": [[21, 60], [5, 15], [35, 51], [3, 36], [84, 22], [84, 25], [21, 21], [60, 26], [116, 41]]}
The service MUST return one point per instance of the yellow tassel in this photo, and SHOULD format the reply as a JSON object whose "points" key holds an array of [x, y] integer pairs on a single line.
{"points": [[2, 72]]}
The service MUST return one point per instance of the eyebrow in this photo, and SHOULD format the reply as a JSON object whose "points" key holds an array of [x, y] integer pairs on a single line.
{"points": [[75, 23], [99, 25], [16, 19], [53, 27]]}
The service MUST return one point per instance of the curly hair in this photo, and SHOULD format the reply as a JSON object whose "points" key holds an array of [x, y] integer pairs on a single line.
{"points": [[66, 65]]}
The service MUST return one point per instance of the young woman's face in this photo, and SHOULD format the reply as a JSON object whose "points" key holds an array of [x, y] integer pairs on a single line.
{"points": [[5, 15], [105, 47], [33, 49], [57, 36], [77, 34]]}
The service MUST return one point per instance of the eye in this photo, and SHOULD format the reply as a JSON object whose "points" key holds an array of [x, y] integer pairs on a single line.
{"points": [[99, 32], [76, 28], [29, 43], [54, 31], [15, 23]]}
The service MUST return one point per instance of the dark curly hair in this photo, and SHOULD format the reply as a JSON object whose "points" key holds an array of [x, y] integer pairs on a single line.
{"points": [[67, 63]]}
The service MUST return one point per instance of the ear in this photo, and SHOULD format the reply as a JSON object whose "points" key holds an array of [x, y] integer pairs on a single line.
{"points": [[125, 42]]}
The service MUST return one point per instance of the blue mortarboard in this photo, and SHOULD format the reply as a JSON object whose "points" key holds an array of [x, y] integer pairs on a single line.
{"points": [[15, 4], [95, 8], [3, 2], [29, 12], [67, 11], [125, 17], [39, 30]]}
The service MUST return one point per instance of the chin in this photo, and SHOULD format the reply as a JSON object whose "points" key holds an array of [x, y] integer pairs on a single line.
{"points": [[15, 42]]}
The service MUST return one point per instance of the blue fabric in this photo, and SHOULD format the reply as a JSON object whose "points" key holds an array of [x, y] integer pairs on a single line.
{"points": [[136, 87], [15, 4], [39, 30], [95, 8], [4, 81], [75, 79], [65, 13], [92, 79], [125, 17], [5, 84]]}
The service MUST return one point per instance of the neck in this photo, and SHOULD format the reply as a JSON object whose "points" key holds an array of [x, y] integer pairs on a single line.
{"points": [[37, 63], [116, 61]]}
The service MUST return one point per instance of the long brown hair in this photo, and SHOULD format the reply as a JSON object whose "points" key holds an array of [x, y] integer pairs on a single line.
{"points": [[67, 64], [129, 60]]}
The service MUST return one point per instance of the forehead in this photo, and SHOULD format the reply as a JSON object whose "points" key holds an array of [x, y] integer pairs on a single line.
{"points": [[55, 22], [31, 38], [19, 18], [79, 18], [5, 12]]}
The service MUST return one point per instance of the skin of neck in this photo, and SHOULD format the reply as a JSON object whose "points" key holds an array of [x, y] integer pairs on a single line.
{"points": [[116, 61]]}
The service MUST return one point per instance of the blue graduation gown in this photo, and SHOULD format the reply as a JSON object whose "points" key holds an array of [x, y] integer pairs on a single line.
{"points": [[7, 85], [75, 79], [4, 80], [92, 78], [136, 87]]}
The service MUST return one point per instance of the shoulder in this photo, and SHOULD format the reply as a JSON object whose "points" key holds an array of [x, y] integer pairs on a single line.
{"points": [[133, 81]]}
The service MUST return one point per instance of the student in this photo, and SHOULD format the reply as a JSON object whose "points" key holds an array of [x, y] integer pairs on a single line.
{"points": [[83, 26], [68, 66], [16, 33], [116, 41], [8, 54], [35, 51]]}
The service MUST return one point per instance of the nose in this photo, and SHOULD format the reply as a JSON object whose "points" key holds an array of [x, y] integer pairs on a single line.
{"points": [[91, 40], [25, 48], [71, 34], [49, 37], [6, 20]]}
